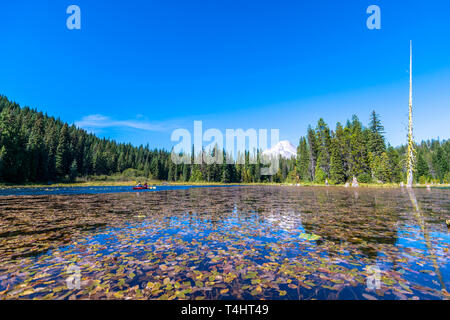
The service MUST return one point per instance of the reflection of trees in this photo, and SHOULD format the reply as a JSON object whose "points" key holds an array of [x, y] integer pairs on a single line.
{"points": [[426, 235], [365, 221]]}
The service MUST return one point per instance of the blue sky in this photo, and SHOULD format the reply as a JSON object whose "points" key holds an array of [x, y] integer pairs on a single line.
{"points": [[137, 70]]}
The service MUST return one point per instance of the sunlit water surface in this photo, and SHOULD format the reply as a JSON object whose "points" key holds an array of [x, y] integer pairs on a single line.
{"points": [[258, 242]]}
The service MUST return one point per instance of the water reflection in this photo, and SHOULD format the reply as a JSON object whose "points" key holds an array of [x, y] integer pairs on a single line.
{"points": [[243, 242], [426, 235]]}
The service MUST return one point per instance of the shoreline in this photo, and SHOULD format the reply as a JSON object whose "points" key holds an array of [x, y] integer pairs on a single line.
{"points": [[165, 183]]}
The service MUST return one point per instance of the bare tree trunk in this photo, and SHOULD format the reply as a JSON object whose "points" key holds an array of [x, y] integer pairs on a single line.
{"points": [[410, 155]]}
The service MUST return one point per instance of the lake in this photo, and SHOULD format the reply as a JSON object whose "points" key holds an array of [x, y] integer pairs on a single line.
{"points": [[236, 242]]}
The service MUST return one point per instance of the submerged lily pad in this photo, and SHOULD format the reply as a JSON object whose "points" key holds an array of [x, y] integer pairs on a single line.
{"points": [[226, 243], [308, 236]]}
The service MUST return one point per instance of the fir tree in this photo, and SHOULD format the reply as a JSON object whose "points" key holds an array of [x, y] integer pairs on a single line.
{"points": [[337, 173], [440, 164], [358, 157], [324, 146], [395, 169], [303, 160], [313, 151], [185, 174], [73, 170], [376, 140], [62, 152], [422, 169]]}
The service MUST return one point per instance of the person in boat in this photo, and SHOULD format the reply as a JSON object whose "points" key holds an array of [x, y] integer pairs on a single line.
{"points": [[145, 185], [139, 185]]}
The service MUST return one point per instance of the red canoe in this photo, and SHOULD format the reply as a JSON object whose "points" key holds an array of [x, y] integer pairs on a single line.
{"points": [[140, 188]]}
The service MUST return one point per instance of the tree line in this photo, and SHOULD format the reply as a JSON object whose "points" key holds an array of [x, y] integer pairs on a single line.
{"points": [[357, 151], [35, 147]]}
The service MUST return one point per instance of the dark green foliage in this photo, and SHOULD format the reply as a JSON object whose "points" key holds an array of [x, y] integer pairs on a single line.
{"points": [[364, 178], [228, 173], [395, 169], [337, 174], [12, 145], [73, 170], [338, 170], [62, 158], [171, 176], [37, 148], [324, 146], [303, 160], [357, 151], [432, 161], [321, 176], [376, 140], [422, 169], [440, 163], [358, 157], [313, 151]]}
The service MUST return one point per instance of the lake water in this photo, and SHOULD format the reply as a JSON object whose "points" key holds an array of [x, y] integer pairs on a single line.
{"points": [[246, 242], [89, 190]]}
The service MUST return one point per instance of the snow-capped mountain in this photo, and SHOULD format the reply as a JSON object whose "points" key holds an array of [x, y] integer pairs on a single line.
{"points": [[283, 148]]}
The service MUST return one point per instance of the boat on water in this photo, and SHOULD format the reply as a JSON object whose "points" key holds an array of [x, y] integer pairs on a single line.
{"points": [[144, 188]]}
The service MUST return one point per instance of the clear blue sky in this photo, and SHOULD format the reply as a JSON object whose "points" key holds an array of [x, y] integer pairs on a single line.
{"points": [[139, 69]]}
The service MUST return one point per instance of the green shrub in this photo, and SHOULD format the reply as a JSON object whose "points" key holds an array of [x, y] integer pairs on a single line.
{"points": [[364, 178], [447, 178], [292, 177], [423, 180], [130, 172], [320, 176]]}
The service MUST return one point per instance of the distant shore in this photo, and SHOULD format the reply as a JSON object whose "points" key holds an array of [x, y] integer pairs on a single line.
{"points": [[165, 183]]}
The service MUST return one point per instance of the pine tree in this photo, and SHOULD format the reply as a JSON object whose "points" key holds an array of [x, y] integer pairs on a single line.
{"points": [[320, 176], [37, 168], [303, 160], [73, 170], [12, 146], [226, 170], [99, 160], [376, 140], [313, 151], [381, 168], [422, 169], [79, 151], [376, 148], [440, 164], [342, 140], [155, 168], [395, 168], [358, 157], [172, 171], [337, 173], [62, 152], [51, 140], [186, 170], [2, 161], [196, 174], [324, 146]]}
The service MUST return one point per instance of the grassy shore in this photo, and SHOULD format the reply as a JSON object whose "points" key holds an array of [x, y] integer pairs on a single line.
{"points": [[159, 183]]}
